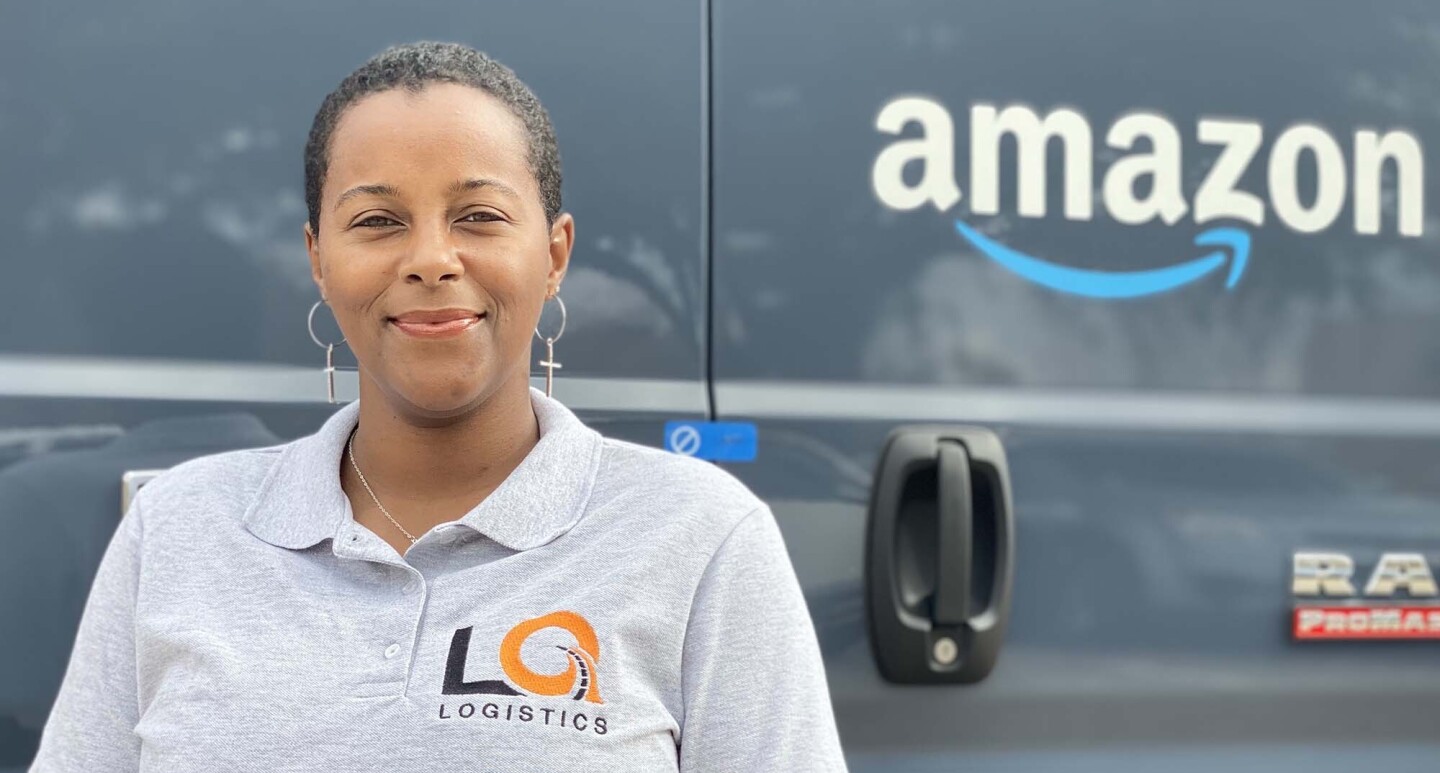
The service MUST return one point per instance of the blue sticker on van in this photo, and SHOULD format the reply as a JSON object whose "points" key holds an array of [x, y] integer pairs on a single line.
{"points": [[719, 441]]}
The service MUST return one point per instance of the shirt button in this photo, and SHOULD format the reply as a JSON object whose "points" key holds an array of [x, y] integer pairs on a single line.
{"points": [[392, 651], [410, 587]]}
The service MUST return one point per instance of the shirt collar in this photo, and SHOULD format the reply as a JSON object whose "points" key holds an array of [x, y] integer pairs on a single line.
{"points": [[301, 502]]}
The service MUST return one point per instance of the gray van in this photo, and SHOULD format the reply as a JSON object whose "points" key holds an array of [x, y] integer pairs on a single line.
{"points": [[1085, 351]]}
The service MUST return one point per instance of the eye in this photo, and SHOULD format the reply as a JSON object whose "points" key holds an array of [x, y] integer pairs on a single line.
{"points": [[369, 222], [485, 217]]}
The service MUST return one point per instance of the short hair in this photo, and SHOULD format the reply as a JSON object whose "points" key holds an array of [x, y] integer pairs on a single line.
{"points": [[412, 67]]}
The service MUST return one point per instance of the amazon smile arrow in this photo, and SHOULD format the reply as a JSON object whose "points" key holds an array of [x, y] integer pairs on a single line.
{"points": [[1234, 245]]}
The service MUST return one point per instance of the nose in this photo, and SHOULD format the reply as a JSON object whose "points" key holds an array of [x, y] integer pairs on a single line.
{"points": [[431, 257]]}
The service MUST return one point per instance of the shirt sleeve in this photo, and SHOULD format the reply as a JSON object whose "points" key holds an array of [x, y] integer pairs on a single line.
{"points": [[91, 725], [754, 685]]}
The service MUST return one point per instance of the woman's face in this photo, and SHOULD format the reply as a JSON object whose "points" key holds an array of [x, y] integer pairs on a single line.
{"points": [[429, 204]]}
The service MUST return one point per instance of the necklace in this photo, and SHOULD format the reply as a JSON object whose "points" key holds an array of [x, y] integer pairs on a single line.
{"points": [[350, 448]]}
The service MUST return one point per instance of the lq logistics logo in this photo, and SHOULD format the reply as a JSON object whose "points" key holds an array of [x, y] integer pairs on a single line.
{"points": [[1144, 185], [578, 682]]}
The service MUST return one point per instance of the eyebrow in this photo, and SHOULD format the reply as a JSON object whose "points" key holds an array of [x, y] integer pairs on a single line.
{"points": [[361, 190], [476, 183], [382, 189]]}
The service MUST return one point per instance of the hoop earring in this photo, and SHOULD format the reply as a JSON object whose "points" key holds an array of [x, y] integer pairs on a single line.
{"points": [[329, 352], [549, 363]]}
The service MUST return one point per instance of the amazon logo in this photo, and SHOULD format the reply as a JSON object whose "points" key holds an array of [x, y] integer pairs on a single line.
{"points": [[1144, 184]]}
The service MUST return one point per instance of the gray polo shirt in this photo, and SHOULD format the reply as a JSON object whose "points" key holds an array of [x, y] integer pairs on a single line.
{"points": [[608, 607]]}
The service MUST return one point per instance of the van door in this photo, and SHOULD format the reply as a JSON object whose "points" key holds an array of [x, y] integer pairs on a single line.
{"points": [[156, 285], [1178, 259]]}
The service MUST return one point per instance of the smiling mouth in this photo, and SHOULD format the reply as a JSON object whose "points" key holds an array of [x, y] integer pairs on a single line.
{"points": [[436, 325]]}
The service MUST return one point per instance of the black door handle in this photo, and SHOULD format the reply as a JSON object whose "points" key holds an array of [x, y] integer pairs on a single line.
{"points": [[955, 523], [940, 555]]}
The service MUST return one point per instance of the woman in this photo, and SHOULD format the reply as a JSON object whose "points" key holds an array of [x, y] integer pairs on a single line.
{"points": [[454, 572]]}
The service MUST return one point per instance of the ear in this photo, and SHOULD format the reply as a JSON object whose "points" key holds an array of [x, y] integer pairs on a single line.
{"points": [[312, 246], [562, 241]]}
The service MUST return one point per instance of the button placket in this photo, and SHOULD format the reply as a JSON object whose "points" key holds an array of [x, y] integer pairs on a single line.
{"points": [[412, 585], [417, 594]]}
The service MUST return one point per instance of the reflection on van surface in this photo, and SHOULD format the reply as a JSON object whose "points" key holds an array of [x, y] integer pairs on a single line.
{"points": [[58, 509]]}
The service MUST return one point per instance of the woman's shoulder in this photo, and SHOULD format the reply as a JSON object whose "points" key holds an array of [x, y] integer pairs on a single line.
{"points": [[644, 480], [211, 483], [645, 469]]}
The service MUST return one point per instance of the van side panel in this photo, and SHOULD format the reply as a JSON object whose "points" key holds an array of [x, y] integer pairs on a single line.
{"points": [[1178, 256]]}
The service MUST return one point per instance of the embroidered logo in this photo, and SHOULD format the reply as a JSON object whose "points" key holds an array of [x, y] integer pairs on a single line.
{"points": [[579, 679], [571, 633]]}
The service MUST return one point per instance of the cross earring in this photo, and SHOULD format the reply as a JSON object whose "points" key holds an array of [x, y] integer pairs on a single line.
{"points": [[549, 363], [329, 352]]}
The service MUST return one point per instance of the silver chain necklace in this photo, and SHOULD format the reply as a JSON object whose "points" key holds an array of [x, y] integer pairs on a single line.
{"points": [[350, 447]]}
